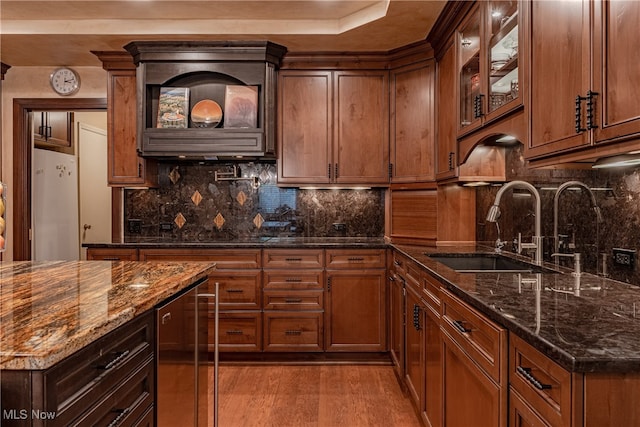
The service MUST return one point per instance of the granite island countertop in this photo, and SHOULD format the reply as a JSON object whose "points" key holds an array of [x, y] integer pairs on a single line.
{"points": [[51, 309], [585, 324]]}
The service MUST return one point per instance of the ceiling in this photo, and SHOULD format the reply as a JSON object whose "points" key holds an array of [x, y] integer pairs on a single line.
{"points": [[64, 32]]}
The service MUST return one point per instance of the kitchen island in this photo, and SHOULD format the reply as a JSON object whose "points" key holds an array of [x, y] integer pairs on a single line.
{"points": [[79, 336]]}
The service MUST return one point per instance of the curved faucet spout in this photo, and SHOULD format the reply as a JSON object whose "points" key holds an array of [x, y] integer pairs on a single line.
{"points": [[559, 191], [494, 214]]}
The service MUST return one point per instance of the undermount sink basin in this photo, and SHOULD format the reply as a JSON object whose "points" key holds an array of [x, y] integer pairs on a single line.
{"points": [[486, 263]]}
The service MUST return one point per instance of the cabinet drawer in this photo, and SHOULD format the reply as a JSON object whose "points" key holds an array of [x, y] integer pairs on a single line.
{"points": [[293, 279], [224, 258], [82, 379], [287, 258], [483, 340], [112, 254], [239, 289], [431, 291], [543, 384], [355, 258], [293, 300], [238, 331], [126, 404], [293, 331], [400, 263]]}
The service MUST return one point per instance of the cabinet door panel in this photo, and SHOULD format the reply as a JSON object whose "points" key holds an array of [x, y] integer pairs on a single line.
{"points": [[414, 323], [615, 69], [559, 38], [305, 118], [413, 123], [361, 141], [470, 397], [447, 160], [355, 309]]}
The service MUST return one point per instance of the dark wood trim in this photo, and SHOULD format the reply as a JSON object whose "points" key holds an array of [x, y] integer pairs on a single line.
{"points": [[116, 214], [115, 60], [22, 145], [448, 20], [3, 69]]}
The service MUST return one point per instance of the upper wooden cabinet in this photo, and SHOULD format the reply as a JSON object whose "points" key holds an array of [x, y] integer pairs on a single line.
{"points": [[125, 167], [52, 130], [583, 79], [489, 67], [333, 127], [412, 145], [239, 76]]}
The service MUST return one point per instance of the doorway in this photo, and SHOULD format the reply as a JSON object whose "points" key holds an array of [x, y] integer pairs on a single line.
{"points": [[22, 163]]}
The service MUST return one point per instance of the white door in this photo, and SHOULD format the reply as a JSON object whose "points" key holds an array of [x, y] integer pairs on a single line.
{"points": [[95, 194]]}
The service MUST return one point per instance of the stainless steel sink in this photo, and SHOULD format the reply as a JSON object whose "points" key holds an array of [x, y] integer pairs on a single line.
{"points": [[486, 263]]}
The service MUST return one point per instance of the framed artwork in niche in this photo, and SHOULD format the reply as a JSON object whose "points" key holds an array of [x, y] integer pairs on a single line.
{"points": [[241, 107]]}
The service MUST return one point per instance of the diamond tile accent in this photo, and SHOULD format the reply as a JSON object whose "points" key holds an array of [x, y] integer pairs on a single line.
{"points": [[264, 176], [219, 221], [174, 175], [241, 198], [196, 198], [258, 220], [180, 220]]}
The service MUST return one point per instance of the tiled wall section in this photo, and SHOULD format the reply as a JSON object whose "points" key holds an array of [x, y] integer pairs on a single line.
{"points": [[197, 208], [617, 193]]}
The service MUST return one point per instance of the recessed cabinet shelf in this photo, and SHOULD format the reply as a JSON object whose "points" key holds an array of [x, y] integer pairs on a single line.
{"points": [[207, 70]]}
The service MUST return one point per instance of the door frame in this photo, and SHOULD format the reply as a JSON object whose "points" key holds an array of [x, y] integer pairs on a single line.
{"points": [[22, 146]]}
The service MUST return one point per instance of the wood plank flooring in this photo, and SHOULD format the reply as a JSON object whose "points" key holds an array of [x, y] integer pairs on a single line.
{"points": [[312, 396]]}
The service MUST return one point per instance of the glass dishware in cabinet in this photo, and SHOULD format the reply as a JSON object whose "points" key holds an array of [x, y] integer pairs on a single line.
{"points": [[503, 87]]}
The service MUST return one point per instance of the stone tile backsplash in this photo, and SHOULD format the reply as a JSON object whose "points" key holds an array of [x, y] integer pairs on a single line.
{"points": [[191, 206], [617, 193]]}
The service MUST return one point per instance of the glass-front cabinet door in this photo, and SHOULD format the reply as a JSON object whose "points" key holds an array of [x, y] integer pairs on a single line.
{"points": [[488, 63], [502, 53], [469, 54]]}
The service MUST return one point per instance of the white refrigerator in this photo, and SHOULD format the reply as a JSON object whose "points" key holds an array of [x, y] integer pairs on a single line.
{"points": [[54, 205]]}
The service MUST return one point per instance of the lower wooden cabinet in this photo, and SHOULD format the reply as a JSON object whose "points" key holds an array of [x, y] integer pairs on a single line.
{"points": [[112, 254], [293, 331], [414, 347], [355, 307], [111, 378], [239, 331], [396, 322]]}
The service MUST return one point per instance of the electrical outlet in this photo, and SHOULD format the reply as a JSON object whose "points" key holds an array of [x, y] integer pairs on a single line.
{"points": [[339, 226], [624, 257], [134, 226], [165, 226]]}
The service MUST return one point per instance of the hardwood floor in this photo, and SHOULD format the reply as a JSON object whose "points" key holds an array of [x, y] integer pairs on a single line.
{"points": [[312, 396]]}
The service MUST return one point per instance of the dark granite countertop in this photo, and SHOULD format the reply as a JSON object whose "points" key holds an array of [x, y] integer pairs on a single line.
{"points": [[585, 324], [51, 309]]}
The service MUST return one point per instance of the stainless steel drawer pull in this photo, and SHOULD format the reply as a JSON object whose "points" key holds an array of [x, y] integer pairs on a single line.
{"points": [[111, 258], [460, 326], [293, 279], [123, 414], [356, 259], [235, 291], [119, 357], [526, 372], [293, 259], [293, 300], [293, 332], [234, 332]]}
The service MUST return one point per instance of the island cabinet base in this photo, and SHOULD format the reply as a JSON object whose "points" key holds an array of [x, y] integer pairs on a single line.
{"points": [[111, 378]]}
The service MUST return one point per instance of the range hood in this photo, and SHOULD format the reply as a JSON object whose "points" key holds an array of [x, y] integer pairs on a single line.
{"points": [[239, 76]]}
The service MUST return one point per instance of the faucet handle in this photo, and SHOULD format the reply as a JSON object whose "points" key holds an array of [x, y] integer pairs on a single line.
{"points": [[500, 244]]}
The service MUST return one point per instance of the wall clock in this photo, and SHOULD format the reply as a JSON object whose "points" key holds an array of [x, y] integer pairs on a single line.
{"points": [[65, 81]]}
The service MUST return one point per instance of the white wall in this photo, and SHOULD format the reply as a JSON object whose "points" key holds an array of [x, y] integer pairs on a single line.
{"points": [[33, 82]]}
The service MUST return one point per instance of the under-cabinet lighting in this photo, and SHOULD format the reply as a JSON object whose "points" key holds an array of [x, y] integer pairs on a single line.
{"points": [[619, 161], [333, 188], [476, 184], [507, 139]]}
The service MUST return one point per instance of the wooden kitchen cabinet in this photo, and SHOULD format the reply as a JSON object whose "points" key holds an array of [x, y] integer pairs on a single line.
{"points": [[595, 104], [327, 119], [489, 67], [53, 130], [293, 300], [124, 164], [433, 363], [355, 301], [415, 348], [239, 274], [474, 352], [412, 145], [396, 314], [112, 254]]}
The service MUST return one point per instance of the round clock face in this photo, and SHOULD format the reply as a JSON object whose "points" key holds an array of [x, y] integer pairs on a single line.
{"points": [[65, 81]]}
